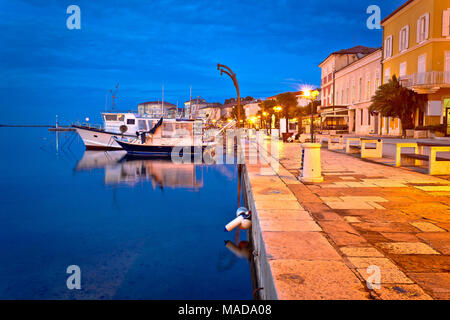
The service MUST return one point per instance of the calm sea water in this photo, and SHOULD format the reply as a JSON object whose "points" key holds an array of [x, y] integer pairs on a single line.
{"points": [[137, 229]]}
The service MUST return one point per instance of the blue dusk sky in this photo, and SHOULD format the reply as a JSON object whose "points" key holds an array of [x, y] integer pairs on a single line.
{"points": [[272, 45]]}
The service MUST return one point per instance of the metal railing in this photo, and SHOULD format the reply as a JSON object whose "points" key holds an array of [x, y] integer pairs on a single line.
{"points": [[432, 78]]}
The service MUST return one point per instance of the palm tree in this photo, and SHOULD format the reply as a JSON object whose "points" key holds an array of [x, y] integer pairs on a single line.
{"points": [[234, 113], [305, 111], [289, 103], [267, 106], [393, 100]]}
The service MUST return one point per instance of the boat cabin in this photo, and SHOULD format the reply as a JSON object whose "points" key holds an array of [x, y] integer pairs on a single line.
{"points": [[132, 123]]}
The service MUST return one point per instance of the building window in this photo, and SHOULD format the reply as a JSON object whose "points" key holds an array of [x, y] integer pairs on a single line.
{"points": [[388, 47], [446, 23], [368, 89], [362, 116], [404, 39], [348, 93], [377, 82], [130, 121], [402, 70], [369, 117], [423, 28], [387, 75], [353, 92], [342, 97], [360, 88]]}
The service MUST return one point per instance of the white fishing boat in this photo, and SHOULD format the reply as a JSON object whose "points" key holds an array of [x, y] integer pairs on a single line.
{"points": [[129, 126]]}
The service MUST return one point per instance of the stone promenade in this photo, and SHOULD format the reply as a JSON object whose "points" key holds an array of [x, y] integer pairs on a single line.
{"points": [[320, 239]]}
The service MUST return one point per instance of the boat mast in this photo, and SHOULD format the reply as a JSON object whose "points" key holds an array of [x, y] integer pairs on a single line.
{"points": [[162, 102], [190, 102], [114, 96]]}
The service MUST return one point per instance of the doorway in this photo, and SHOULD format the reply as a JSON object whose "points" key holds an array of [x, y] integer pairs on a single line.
{"points": [[447, 121]]}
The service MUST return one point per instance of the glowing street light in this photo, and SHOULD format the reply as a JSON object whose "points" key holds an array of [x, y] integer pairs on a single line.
{"points": [[277, 109], [312, 96]]}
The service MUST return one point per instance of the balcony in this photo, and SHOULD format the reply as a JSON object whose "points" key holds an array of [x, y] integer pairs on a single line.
{"points": [[426, 82]]}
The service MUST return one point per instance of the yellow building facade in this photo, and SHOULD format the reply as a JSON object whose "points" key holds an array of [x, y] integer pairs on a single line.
{"points": [[416, 48]]}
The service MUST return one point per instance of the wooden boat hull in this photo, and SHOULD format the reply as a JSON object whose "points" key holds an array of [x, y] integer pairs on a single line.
{"points": [[157, 150]]}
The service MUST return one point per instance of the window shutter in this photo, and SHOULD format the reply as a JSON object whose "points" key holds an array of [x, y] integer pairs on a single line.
{"points": [[427, 26], [390, 46], [418, 31], [446, 23], [407, 38]]}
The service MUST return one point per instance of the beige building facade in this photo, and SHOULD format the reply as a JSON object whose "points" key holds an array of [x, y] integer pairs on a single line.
{"points": [[355, 85]]}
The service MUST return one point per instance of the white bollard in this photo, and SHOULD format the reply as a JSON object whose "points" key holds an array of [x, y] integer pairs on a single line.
{"points": [[246, 224], [312, 168], [243, 220], [235, 223]]}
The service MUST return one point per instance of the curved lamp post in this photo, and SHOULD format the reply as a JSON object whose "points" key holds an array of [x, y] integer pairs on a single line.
{"points": [[224, 69]]}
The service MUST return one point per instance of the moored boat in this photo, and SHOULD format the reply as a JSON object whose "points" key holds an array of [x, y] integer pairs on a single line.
{"points": [[131, 125], [137, 148]]}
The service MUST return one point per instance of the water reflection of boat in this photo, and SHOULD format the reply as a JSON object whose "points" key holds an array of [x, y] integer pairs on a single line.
{"points": [[99, 159], [125, 169]]}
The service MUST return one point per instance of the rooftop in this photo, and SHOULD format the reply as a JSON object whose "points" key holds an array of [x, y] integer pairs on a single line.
{"points": [[354, 50], [396, 11], [166, 104]]}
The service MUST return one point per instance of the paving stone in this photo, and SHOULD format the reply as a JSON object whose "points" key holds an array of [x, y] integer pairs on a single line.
{"points": [[271, 204], [316, 280], [402, 292], [337, 226], [439, 241], [288, 225], [435, 188], [434, 282], [345, 238], [280, 214], [373, 236], [364, 198], [299, 245], [331, 199], [400, 237], [423, 263], [407, 248], [326, 215], [388, 276], [351, 219], [427, 227], [349, 205], [442, 295], [361, 252], [363, 262], [385, 227]]}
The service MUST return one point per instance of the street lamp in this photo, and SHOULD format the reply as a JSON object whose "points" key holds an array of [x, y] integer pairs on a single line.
{"points": [[312, 96], [232, 75], [311, 166], [277, 109]]}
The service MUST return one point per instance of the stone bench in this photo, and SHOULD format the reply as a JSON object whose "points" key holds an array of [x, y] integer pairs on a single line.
{"points": [[436, 165], [365, 150], [333, 145]]}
